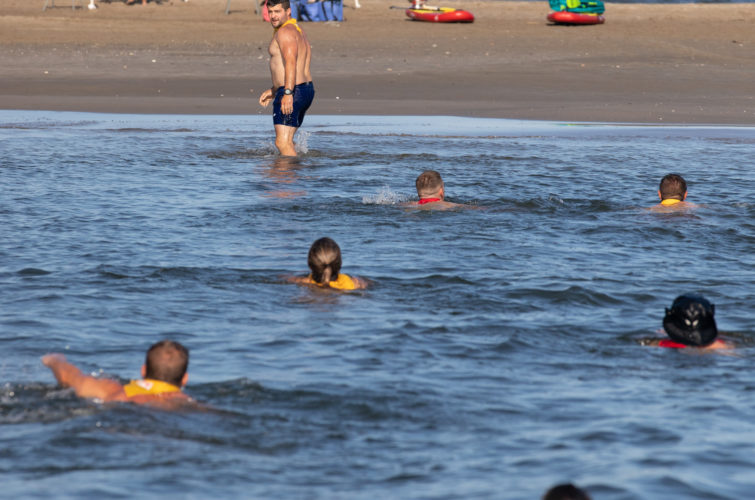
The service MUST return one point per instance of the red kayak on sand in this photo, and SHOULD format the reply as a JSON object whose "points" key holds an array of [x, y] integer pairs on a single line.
{"points": [[564, 17], [440, 15]]}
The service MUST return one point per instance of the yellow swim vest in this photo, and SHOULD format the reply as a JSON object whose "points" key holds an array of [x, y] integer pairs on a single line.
{"points": [[670, 201], [344, 282], [290, 21], [148, 386]]}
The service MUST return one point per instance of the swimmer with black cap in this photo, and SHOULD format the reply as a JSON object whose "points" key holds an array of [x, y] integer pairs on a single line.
{"points": [[566, 492], [324, 262], [673, 194], [691, 323]]}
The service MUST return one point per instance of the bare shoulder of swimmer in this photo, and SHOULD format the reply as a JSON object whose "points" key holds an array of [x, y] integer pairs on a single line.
{"points": [[360, 283], [682, 206], [716, 345], [297, 279], [442, 205], [650, 342], [720, 343]]}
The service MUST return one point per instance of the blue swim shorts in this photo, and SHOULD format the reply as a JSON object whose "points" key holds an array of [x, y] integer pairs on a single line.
{"points": [[304, 93]]}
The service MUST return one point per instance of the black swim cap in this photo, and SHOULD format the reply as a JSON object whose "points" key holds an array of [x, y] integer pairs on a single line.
{"points": [[690, 320]]}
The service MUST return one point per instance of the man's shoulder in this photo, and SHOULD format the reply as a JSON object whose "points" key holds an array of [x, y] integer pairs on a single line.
{"points": [[166, 400], [288, 33], [720, 344], [441, 205], [677, 207]]}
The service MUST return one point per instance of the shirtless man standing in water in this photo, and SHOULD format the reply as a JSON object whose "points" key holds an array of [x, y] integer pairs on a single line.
{"points": [[292, 91]]}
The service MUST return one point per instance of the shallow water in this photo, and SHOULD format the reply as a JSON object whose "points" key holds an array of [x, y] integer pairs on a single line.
{"points": [[495, 353]]}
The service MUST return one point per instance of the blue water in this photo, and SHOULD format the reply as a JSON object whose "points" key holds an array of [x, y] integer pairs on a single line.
{"points": [[495, 353]]}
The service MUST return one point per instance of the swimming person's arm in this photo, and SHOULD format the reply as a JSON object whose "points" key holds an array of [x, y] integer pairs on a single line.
{"points": [[360, 283], [299, 280], [85, 386]]}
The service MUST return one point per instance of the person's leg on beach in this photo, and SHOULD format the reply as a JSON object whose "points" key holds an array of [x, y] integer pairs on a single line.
{"points": [[284, 139]]}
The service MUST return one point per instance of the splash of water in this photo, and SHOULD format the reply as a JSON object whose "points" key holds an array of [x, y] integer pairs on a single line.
{"points": [[385, 197], [268, 148], [301, 146]]}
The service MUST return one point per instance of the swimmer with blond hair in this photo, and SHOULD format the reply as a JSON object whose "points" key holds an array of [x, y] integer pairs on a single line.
{"points": [[673, 192], [324, 260]]}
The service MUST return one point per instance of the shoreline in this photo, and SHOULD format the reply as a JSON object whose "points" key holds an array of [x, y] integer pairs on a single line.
{"points": [[452, 125], [659, 63]]}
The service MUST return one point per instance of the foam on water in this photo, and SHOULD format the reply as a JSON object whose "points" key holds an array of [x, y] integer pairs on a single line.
{"points": [[301, 140], [386, 197]]}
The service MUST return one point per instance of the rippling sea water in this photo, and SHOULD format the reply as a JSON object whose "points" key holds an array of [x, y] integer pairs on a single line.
{"points": [[495, 353]]}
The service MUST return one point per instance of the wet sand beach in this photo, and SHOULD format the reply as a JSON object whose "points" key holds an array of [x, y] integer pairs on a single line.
{"points": [[688, 63]]}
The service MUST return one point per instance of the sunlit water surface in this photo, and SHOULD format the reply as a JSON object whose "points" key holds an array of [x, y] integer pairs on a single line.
{"points": [[494, 354]]}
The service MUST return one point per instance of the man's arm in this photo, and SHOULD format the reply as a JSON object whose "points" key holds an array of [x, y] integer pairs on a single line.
{"points": [[299, 280], [84, 385], [266, 97]]}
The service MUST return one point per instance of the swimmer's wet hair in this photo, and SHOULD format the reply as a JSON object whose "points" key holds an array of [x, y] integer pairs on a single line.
{"points": [[285, 3], [167, 361], [691, 321], [324, 260], [428, 182], [565, 492], [672, 186]]}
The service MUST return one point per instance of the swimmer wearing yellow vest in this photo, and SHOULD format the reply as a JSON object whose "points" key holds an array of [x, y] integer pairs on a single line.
{"points": [[324, 262], [673, 192], [164, 375], [690, 323]]}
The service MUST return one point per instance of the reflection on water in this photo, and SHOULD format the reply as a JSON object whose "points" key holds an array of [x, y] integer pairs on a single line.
{"points": [[495, 348], [282, 171]]}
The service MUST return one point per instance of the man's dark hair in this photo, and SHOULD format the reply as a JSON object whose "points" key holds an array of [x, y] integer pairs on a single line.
{"points": [[167, 361], [673, 186], [285, 3]]}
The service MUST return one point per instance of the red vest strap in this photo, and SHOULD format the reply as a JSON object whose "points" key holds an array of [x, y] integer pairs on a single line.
{"points": [[671, 343]]}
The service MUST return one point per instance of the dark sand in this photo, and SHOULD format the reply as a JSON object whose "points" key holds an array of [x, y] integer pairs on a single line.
{"points": [[688, 63]]}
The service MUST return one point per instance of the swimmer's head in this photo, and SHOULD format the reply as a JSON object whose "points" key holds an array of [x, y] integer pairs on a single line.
{"points": [[167, 361], [690, 321], [429, 183], [565, 492], [672, 187], [324, 260]]}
